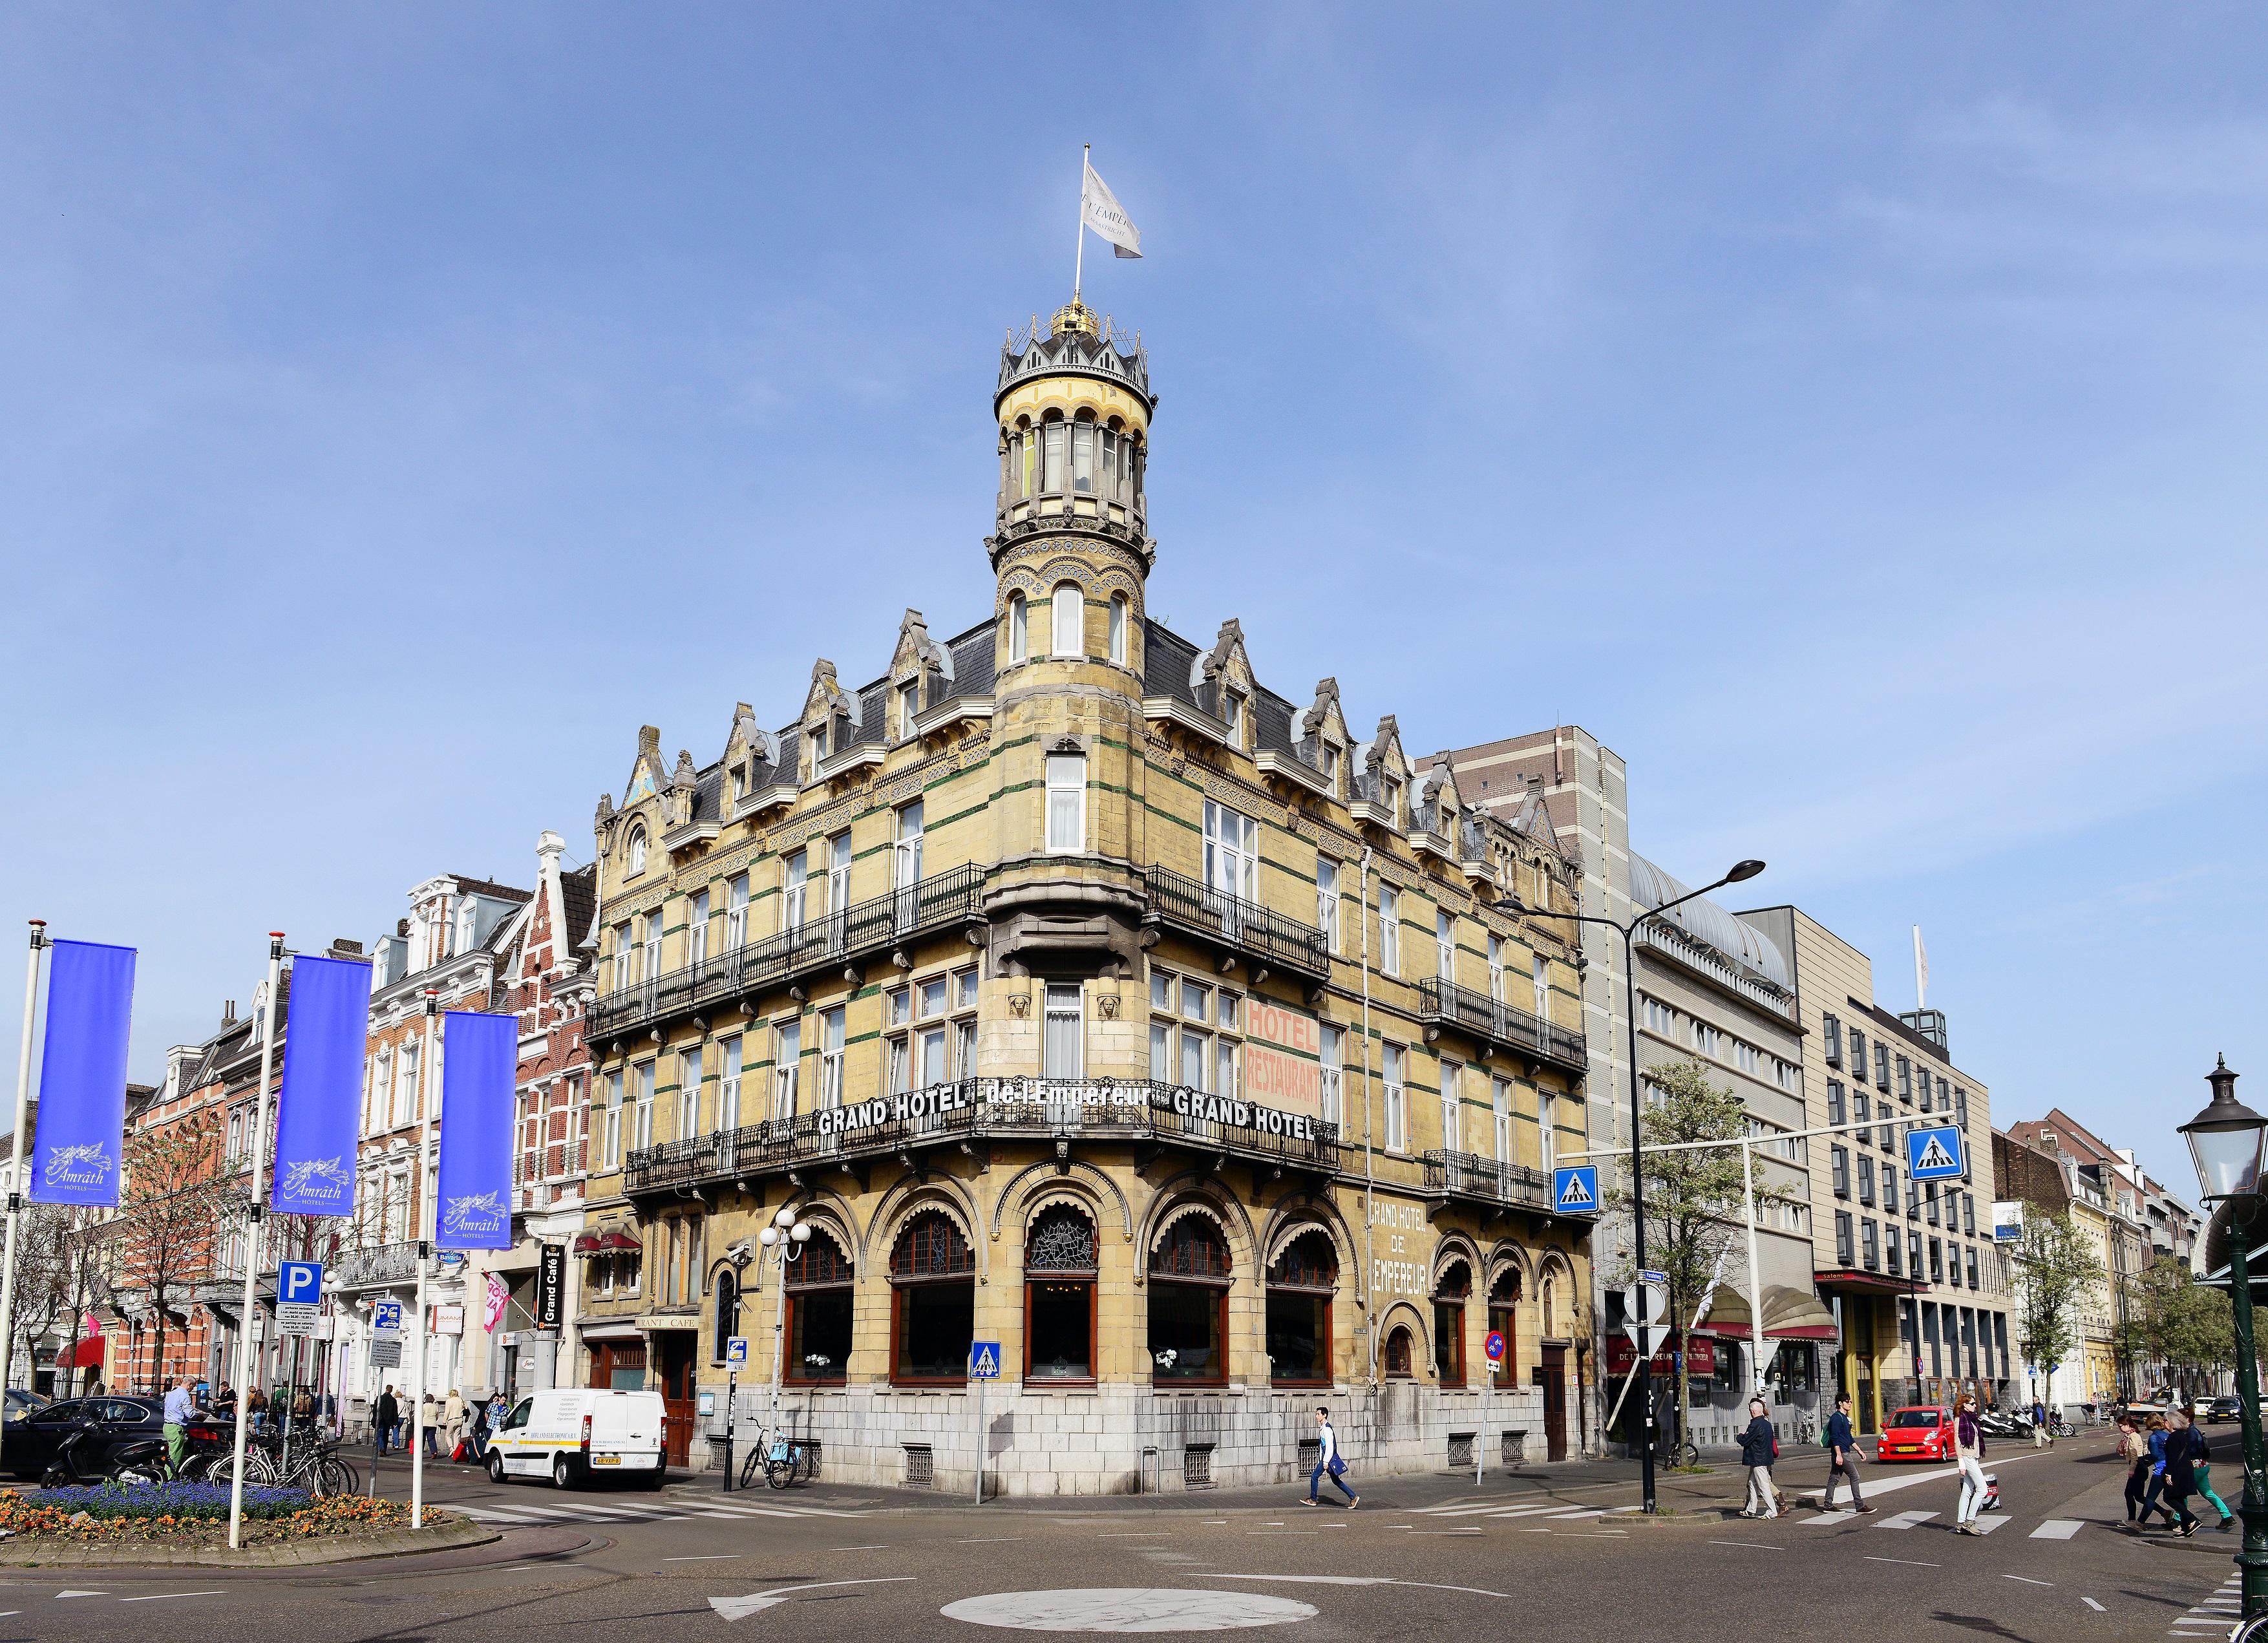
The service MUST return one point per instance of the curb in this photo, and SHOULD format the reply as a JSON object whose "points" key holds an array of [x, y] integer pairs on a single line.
{"points": [[290, 1554]]}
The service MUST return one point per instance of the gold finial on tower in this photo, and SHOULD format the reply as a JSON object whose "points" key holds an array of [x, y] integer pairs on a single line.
{"points": [[1077, 316]]}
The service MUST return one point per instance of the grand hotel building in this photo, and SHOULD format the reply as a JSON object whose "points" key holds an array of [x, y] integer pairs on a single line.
{"points": [[1086, 995]]}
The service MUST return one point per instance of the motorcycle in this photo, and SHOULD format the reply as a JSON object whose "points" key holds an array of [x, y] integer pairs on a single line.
{"points": [[140, 1461]]}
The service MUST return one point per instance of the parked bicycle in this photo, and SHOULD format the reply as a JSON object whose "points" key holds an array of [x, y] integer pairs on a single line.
{"points": [[780, 1457], [317, 1467]]}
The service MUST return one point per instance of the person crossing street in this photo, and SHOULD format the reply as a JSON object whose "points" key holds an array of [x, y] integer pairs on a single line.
{"points": [[1328, 1461], [1969, 1450], [1759, 1448], [1841, 1456]]}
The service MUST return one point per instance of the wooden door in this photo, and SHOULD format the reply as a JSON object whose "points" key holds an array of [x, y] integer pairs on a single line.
{"points": [[677, 1404], [1554, 1377]]}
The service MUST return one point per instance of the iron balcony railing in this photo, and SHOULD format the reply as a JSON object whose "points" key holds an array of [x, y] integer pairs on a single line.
{"points": [[1468, 1174], [841, 936], [1278, 942], [1101, 1110], [1445, 1004], [387, 1264]]}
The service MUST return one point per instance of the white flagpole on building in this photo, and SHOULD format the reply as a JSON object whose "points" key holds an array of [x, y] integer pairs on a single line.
{"points": [[426, 1218], [1921, 972], [247, 1357], [1078, 259], [16, 1198]]}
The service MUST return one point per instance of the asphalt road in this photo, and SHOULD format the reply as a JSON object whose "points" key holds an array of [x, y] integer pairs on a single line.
{"points": [[1424, 1557]]}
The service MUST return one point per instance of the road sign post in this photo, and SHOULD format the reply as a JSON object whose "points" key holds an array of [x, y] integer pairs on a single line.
{"points": [[984, 1364], [736, 1358], [1493, 1347]]}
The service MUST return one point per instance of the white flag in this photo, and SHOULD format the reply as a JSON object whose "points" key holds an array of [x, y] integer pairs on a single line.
{"points": [[1921, 971], [1098, 208]]}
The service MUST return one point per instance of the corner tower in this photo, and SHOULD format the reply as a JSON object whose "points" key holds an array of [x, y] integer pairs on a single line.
{"points": [[1073, 408]]}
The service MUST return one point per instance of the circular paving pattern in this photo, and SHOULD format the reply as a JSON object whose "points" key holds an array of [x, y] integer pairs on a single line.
{"points": [[1129, 1609]]}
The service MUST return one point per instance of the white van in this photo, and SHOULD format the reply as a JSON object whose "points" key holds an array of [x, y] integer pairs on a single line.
{"points": [[570, 1435]]}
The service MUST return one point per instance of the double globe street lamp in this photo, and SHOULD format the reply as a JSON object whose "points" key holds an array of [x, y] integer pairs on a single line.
{"points": [[2226, 1142], [783, 1241]]}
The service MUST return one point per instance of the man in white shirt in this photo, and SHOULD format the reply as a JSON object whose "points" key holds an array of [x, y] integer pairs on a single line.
{"points": [[177, 1411], [1328, 1462]]}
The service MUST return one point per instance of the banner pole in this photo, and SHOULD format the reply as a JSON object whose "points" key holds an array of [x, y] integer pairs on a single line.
{"points": [[1079, 257], [246, 1361], [425, 1217], [16, 1165]]}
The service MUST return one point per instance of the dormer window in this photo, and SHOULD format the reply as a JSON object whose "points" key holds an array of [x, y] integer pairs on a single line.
{"points": [[635, 851], [1231, 714], [1327, 760], [909, 706], [1389, 798], [819, 740]]}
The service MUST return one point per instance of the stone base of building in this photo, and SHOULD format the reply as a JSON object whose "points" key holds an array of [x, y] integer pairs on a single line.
{"points": [[1136, 1440]]}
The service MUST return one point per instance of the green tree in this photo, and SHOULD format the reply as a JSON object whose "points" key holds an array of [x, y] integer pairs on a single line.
{"points": [[1693, 1197], [2055, 1261], [173, 1208]]}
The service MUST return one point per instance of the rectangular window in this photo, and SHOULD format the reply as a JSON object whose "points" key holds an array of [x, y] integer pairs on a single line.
{"points": [[1118, 631], [1501, 1121], [1452, 1137], [696, 929], [1051, 472], [1231, 717], [1971, 1257], [1019, 628], [1839, 1167], [1496, 968], [1882, 1066], [1547, 1129], [1707, 1039], [1326, 901], [1389, 931], [1748, 1057], [1968, 1214], [1913, 1254], [797, 870], [1932, 1204], [1889, 1188], [405, 1085], [787, 1069], [830, 1056], [1659, 1018], [1870, 1245], [688, 1094], [1398, 1120], [613, 1150], [736, 913], [1196, 1062], [641, 1106], [1784, 1074], [1070, 614], [1330, 1047], [1936, 1261], [1905, 1079], [1082, 458], [1161, 1053], [1961, 1107], [1445, 946], [1063, 1046], [728, 1084], [1066, 802], [1844, 1254], [838, 876], [906, 860], [1232, 852], [1830, 1034], [1835, 1110], [1892, 1253], [1865, 1180]]}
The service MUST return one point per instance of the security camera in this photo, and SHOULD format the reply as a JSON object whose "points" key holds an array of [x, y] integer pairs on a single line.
{"points": [[740, 1252]]}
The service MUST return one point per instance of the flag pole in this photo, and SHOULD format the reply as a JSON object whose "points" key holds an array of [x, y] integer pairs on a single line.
{"points": [[1078, 259], [16, 1165], [247, 1363], [425, 1208], [1921, 976]]}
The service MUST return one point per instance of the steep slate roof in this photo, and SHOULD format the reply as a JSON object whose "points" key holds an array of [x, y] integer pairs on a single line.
{"points": [[579, 891], [484, 886]]}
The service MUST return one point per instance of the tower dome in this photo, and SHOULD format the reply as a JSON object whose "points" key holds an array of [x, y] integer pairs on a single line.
{"points": [[1073, 405]]}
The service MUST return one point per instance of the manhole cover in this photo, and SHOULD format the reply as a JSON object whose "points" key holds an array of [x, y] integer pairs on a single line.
{"points": [[1128, 1609]]}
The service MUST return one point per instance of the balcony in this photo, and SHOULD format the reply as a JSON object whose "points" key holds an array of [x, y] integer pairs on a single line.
{"points": [[388, 1263], [1269, 940], [978, 1110], [837, 939], [1470, 1175], [1445, 1004]]}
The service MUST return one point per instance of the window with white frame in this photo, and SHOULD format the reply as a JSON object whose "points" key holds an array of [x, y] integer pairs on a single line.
{"points": [[897, 1047], [613, 1150], [1330, 1048], [1445, 944], [1063, 1044], [1501, 1121], [794, 885], [637, 851], [1194, 1033], [838, 874], [1784, 1073], [1232, 715], [1389, 798], [1390, 930], [906, 856], [642, 1105], [909, 707], [736, 913], [688, 1094], [1707, 1039], [1547, 1129], [1748, 1057], [830, 1056], [1326, 901], [625, 962], [1496, 968], [1397, 1099], [652, 970], [1540, 983], [405, 1085], [696, 929], [1066, 802], [1232, 852], [1118, 628], [1452, 1131], [787, 1069], [1020, 628], [728, 1084], [1070, 637], [963, 1025], [1659, 1018]]}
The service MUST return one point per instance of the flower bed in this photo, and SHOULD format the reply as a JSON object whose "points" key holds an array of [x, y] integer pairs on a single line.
{"points": [[194, 1514]]}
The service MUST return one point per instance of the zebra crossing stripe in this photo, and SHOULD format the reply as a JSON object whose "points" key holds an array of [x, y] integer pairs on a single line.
{"points": [[1905, 1520], [2057, 1528]]}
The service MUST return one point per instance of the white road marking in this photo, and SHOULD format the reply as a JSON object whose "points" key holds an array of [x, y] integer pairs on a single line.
{"points": [[160, 1598], [1905, 1520], [1562, 1517], [1362, 1580], [858, 1549], [1133, 1534], [714, 1556], [992, 1540], [2091, 1603], [60, 1596], [1435, 1531], [2057, 1528], [1281, 1531], [1913, 1562], [741, 1607], [1831, 1517], [2027, 1579], [1753, 1545], [1986, 1525]]}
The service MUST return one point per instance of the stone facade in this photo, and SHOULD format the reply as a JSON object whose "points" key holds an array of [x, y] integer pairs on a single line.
{"points": [[1079, 993]]}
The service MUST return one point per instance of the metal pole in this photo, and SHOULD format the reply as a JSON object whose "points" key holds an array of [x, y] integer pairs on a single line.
{"points": [[1638, 1210], [16, 1199], [732, 1393], [1079, 258], [980, 1440], [2253, 1562], [1755, 1285], [246, 1346], [1480, 1448], [779, 1326], [1369, 1209], [428, 1085]]}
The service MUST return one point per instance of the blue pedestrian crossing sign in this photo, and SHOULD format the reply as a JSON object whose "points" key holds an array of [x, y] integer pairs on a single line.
{"points": [[1934, 1154], [985, 1360], [1575, 1190]]}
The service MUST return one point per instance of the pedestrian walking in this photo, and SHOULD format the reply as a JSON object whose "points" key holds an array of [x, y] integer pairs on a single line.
{"points": [[1328, 1462], [1841, 1456], [2160, 1435], [2181, 1472], [1969, 1450], [2135, 1455], [2042, 1437], [452, 1424], [428, 1423], [1759, 1448], [385, 1416], [178, 1413], [2201, 1462]]}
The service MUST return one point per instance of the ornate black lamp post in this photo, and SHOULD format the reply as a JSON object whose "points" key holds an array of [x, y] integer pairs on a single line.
{"points": [[2226, 1141]]}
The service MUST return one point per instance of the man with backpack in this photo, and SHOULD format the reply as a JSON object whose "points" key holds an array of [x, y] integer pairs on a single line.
{"points": [[1328, 1461], [1841, 1456]]}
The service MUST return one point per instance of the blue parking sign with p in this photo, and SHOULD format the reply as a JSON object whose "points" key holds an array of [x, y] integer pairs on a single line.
{"points": [[386, 1318], [300, 1283], [1575, 1190]]}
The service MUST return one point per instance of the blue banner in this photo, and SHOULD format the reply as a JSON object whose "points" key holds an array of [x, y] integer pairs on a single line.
{"points": [[480, 1066], [319, 1114], [82, 1122]]}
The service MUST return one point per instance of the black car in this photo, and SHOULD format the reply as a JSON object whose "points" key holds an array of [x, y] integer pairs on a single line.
{"points": [[28, 1446], [2223, 1409]]}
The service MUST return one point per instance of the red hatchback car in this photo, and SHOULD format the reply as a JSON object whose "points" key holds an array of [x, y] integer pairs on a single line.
{"points": [[1920, 1434]]}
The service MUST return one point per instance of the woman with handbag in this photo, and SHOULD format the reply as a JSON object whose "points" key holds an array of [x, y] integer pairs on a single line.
{"points": [[1328, 1461], [2134, 1455]]}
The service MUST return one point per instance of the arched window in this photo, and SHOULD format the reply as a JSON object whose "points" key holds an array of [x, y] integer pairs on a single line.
{"points": [[1451, 1291], [1059, 1274], [1051, 465], [1299, 1289], [637, 851], [1400, 1355], [1550, 1306], [1189, 1305], [1020, 637], [819, 1307], [1118, 628], [1502, 1298], [933, 1301], [1028, 459], [1070, 619], [727, 1319]]}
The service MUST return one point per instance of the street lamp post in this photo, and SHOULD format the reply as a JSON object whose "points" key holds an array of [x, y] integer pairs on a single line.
{"points": [[1739, 871], [783, 1241], [2225, 1143]]}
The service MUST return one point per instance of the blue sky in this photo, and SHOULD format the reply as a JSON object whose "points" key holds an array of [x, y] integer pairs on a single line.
{"points": [[1851, 415]]}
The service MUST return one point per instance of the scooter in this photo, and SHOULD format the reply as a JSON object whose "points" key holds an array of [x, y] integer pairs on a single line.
{"points": [[140, 1461]]}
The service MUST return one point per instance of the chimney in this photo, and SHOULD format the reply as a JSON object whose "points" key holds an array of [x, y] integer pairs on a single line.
{"points": [[228, 1012]]}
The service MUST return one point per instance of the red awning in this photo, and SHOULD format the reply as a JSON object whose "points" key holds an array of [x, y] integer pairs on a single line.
{"points": [[586, 1243], [623, 1240], [85, 1352]]}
